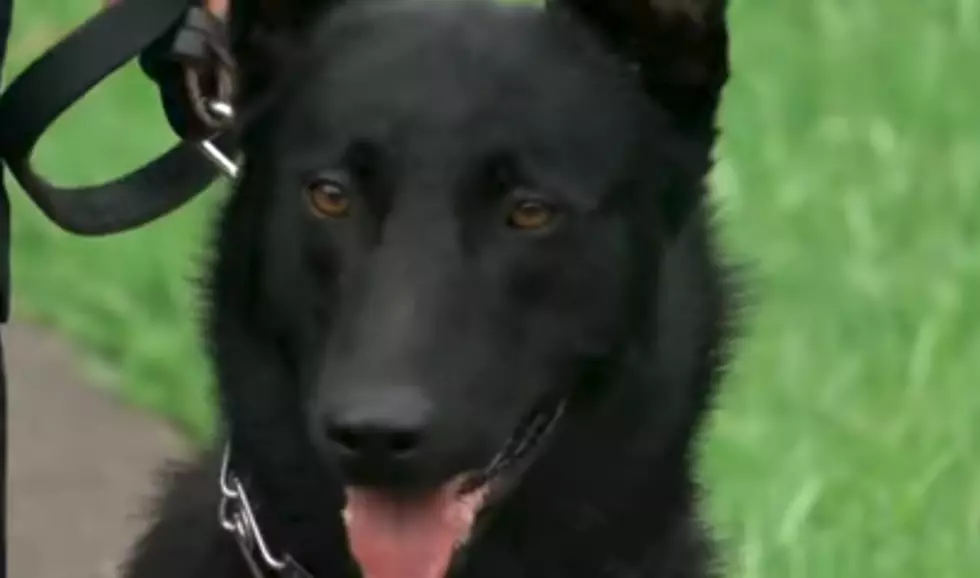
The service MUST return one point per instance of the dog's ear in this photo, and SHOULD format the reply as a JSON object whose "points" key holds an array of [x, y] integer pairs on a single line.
{"points": [[277, 14], [268, 37], [681, 47]]}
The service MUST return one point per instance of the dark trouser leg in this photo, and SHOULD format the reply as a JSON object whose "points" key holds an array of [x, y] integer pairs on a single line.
{"points": [[5, 14]]}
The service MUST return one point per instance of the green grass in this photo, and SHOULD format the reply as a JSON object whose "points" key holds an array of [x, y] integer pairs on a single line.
{"points": [[846, 443]]}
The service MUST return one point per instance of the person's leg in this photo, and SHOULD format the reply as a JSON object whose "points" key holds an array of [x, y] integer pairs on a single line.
{"points": [[5, 15]]}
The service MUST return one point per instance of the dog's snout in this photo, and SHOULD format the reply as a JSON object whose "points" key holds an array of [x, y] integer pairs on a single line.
{"points": [[377, 434], [377, 439]]}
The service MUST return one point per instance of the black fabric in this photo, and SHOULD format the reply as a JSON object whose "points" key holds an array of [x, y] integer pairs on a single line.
{"points": [[6, 10], [5, 14], [159, 65], [65, 74]]}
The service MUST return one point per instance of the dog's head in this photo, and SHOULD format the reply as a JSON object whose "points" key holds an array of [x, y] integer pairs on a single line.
{"points": [[453, 219]]}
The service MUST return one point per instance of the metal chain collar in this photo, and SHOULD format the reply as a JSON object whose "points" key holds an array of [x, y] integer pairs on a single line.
{"points": [[236, 516]]}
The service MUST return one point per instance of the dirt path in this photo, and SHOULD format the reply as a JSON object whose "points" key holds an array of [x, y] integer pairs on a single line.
{"points": [[81, 464]]}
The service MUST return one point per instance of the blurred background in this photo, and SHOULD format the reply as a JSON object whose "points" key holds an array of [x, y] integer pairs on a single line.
{"points": [[847, 441]]}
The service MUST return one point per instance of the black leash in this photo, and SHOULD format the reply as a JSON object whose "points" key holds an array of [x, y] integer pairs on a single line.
{"points": [[64, 75]]}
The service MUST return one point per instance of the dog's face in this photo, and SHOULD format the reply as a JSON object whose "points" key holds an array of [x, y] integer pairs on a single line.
{"points": [[465, 208]]}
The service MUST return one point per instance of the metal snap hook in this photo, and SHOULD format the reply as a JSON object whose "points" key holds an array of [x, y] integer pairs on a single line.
{"points": [[225, 164], [221, 109], [219, 158]]}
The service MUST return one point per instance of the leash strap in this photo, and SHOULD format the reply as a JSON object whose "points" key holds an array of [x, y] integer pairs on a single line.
{"points": [[65, 74]]}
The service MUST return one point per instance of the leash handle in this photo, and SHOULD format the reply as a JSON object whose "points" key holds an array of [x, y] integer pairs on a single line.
{"points": [[65, 74]]}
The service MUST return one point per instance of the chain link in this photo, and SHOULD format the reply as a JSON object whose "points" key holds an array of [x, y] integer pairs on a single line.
{"points": [[236, 516]]}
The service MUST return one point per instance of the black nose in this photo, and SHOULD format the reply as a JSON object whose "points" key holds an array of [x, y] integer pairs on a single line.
{"points": [[376, 435], [374, 439]]}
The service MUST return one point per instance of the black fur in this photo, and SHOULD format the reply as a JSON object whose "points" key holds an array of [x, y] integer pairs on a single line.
{"points": [[422, 311]]}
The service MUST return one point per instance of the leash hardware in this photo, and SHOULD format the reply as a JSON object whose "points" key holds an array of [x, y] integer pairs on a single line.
{"points": [[211, 151], [237, 517], [201, 47]]}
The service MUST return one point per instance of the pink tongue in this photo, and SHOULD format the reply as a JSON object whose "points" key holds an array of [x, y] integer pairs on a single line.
{"points": [[409, 537]]}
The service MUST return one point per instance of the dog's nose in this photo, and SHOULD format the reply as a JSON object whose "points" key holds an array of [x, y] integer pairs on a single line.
{"points": [[376, 433], [374, 439]]}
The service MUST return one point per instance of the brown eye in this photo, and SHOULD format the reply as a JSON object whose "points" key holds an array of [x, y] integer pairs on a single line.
{"points": [[530, 215], [327, 199]]}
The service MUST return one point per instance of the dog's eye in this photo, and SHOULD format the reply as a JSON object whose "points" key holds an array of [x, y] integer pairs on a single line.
{"points": [[327, 199], [531, 215]]}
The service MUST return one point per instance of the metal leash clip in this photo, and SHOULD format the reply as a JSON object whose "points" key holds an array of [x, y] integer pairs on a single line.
{"points": [[226, 165]]}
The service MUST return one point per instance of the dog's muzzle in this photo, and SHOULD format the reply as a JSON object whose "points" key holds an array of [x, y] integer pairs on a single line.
{"points": [[394, 537]]}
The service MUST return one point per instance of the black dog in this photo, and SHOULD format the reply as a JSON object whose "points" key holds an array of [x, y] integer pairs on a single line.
{"points": [[466, 312]]}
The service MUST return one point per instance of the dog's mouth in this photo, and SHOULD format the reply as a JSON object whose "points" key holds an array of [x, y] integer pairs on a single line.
{"points": [[419, 536]]}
